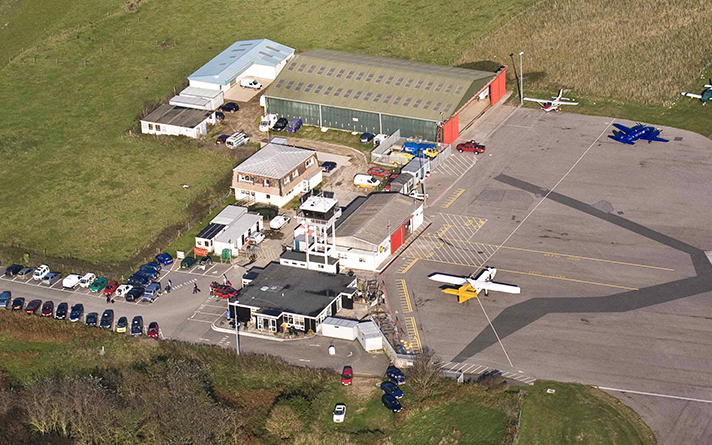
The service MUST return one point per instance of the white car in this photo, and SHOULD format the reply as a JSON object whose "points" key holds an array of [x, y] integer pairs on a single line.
{"points": [[417, 195], [267, 122], [377, 139], [122, 290], [40, 272], [278, 222], [248, 82], [339, 413], [256, 238], [87, 280], [71, 281], [237, 139], [366, 181]]}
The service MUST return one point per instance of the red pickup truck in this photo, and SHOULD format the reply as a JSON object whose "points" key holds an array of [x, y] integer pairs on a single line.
{"points": [[471, 146]]}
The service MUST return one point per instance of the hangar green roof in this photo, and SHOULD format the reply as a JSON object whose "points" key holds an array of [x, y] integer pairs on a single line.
{"points": [[389, 86]]}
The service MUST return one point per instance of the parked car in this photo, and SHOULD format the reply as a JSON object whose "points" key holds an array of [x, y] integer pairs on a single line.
{"points": [[347, 375], [71, 281], [366, 181], [51, 277], [98, 285], [76, 313], [48, 308], [139, 280], [366, 137], [33, 306], [395, 375], [222, 290], [107, 319], [18, 303], [137, 325], [294, 125], [339, 413], [237, 139], [267, 122], [26, 272], [379, 138], [229, 107], [488, 375], [122, 290], [164, 259], [110, 288], [328, 166], [248, 82], [122, 325], [392, 389], [5, 298], [153, 330], [12, 270], [40, 272], [149, 274], [205, 261], [391, 403], [379, 171], [256, 238], [86, 280], [61, 312], [280, 125], [152, 292], [187, 262], [155, 265], [221, 139], [91, 319], [278, 222], [135, 293], [471, 146]]}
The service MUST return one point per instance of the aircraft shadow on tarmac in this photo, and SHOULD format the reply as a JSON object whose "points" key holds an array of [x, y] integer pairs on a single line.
{"points": [[515, 317]]}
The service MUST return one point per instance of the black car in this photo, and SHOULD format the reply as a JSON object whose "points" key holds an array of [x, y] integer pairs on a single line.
{"points": [[488, 374], [391, 403], [47, 308], [140, 280], [135, 293], [395, 375], [148, 273], [280, 125], [12, 270], [33, 306], [92, 319], [107, 319], [366, 138], [76, 313], [137, 325], [205, 262], [328, 166], [219, 116], [229, 107], [61, 312], [392, 389], [18, 303], [122, 324]]}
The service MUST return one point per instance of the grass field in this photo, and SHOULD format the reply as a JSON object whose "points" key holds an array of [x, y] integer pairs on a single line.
{"points": [[146, 391]]}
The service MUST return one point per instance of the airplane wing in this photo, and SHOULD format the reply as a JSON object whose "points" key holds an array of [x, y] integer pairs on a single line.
{"points": [[563, 102], [619, 139], [623, 128], [541, 101], [694, 96], [498, 287], [449, 279], [653, 137]]}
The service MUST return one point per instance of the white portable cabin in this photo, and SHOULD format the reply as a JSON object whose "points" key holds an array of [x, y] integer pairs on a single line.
{"points": [[369, 336], [339, 328]]}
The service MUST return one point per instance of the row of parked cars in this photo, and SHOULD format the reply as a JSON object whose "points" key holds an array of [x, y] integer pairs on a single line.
{"points": [[391, 391], [75, 314]]}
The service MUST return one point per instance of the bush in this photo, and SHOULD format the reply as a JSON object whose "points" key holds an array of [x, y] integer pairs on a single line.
{"points": [[268, 211], [283, 422]]}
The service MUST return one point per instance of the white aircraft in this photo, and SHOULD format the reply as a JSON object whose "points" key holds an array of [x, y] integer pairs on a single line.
{"points": [[554, 103], [470, 287]]}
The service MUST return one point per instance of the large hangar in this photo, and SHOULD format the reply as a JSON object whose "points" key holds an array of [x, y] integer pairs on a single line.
{"points": [[362, 93]]}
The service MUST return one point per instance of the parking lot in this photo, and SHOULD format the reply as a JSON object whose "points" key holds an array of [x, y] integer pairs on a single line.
{"points": [[607, 244]]}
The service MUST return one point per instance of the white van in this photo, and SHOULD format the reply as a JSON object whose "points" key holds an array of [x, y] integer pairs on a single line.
{"points": [[71, 281], [87, 280], [366, 181], [267, 122], [237, 139], [249, 82]]}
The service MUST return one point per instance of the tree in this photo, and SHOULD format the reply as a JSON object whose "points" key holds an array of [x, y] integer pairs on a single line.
{"points": [[425, 375]]}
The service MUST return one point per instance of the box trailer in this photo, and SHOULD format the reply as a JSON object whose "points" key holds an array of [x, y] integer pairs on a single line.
{"points": [[369, 336], [339, 328]]}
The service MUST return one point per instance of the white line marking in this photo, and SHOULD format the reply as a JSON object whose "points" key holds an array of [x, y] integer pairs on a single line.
{"points": [[667, 396], [495, 331], [304, 360], [479, 369]]}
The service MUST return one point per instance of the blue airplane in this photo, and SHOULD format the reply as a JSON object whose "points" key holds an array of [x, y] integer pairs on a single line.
{"points": [[628, 135]]}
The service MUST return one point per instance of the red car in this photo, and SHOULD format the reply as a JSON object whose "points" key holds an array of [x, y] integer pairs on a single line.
{"points": [[471, 146], [379, 171], [347, 375], [33, 306], [153, 330], [110, 288], [48, 308], [221, 290]]}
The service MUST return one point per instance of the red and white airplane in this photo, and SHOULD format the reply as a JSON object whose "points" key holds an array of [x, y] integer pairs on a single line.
{"points": [[554, 103], [470, 287]]}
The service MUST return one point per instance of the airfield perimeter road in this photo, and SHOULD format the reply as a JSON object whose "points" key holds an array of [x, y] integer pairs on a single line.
{"points": [[615, 283]]}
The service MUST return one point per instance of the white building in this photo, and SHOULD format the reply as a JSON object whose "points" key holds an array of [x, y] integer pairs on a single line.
{"points": [[228, 230], [199, 98], [339, 328], [369, 336], [177, 121]]}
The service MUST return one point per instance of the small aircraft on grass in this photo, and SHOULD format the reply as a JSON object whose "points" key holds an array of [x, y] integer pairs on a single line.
{"points": [[471, 287], [554, 103], [628, 135], [704, 96]]}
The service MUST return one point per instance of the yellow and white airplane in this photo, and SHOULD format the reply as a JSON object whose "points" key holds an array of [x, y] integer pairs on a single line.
{"points": [[470, 287]]}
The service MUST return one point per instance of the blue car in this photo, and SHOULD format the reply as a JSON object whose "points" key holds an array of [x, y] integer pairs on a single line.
{"points": [[153, 265], [148, 273], [395, 375], [294, 125], [139, 280], [5, 298], [164, 259], [392, 389]]}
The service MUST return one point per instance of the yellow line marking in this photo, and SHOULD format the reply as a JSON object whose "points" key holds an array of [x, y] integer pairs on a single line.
{"points": [[413, 332], [406, 267], [557, 255], [404, 297], [453, 198]]}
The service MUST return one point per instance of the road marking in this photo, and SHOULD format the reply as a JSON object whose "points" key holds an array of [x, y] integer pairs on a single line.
{"points": [[304, 360], [412, 330], [667, 396], [453, 198], [404, 297], [407, 265]]}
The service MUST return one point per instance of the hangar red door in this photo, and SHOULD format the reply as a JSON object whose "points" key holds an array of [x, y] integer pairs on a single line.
{"points": [[397, 238]]}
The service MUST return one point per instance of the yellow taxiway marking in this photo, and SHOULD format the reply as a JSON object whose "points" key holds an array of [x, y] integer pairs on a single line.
{"points": [[557, 255], [406, 266], [412, 329], [453, 198], [404, 297]]}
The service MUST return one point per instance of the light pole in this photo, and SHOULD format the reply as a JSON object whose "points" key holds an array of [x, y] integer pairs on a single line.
{"points": [[521, 80], [237, 328]]}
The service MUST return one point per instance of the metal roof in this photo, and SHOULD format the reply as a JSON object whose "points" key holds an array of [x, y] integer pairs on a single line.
{"points": [[199, 103], [178, 116], [210, 231], [375, 219], [200, 92], [229, 214], [389, 86], [238, 57], [274, 161], [341, 322], [238, 228]]}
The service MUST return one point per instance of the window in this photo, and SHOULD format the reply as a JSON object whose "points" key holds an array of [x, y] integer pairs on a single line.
{"points": [[301, 67], [399, 81], [367, 96], [321, 70], [318, 89], [341, 73], [350, 74], [417, 103], [379, 78], [427, 105], [328, 91], [358, 94], [389, 80], [299, 86], [387, 99], [409, 83], [458, 90], [308, 88], [437, 106], [267, 196], [331, 71], [286, 180], [289, 85], [439, 87], [347, 94], [419, 84], [265, 182], [447, 108], [279, 84], [338, 92], [158, 127], [309, 162], [407, 102], [369, 77], [291, 67], [430, 84], [361, 260], [311, 69], [295, 173], [360, 75], [378, 97], [397, 100], [448, 89], [150, 126]]}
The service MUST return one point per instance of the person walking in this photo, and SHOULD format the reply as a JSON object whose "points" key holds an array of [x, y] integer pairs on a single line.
{"points": [[168, 288], [225, 280], [195, 288]]}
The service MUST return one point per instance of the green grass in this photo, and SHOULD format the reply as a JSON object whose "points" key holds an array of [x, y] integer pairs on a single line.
{"points": [[578, 414]]}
